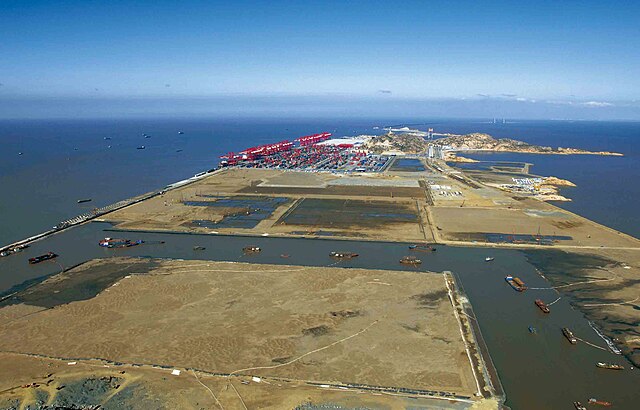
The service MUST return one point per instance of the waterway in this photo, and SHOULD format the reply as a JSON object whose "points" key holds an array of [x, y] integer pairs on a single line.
{"points": [[538, 371]]}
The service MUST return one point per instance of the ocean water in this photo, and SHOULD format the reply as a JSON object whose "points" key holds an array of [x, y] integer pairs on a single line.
{"points": [[63, 161]]}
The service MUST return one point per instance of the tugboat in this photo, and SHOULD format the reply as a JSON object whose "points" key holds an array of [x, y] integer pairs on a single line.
{"points": [[578, 405], [543, 306], [118, 243], [42, 258], [343, 255], [489, 259], [410, 260], [609, 366], [515, 283], [251, 249], [569, 335], [600, 402]]}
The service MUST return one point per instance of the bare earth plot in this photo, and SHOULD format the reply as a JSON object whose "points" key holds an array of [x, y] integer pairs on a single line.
{"points": [[299, 325]]}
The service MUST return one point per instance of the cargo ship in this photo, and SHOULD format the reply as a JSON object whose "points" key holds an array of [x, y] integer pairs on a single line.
{"points": [[600, 402], [609, 366], [42, 258], [569, 335], [515, 283], [118, 243], [343, 255], [543, 306], [410, 260]]}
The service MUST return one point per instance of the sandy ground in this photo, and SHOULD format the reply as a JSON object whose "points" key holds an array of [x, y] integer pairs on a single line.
{"points": [[56, 383], [380, 328]]}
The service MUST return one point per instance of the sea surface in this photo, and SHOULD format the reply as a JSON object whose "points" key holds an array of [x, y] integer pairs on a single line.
{"points": [[64, 161]]}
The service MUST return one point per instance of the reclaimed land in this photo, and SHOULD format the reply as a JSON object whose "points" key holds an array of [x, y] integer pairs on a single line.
{"points": [[381, 207], [323, 329]]}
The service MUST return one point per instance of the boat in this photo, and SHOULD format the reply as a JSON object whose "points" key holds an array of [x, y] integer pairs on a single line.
{"points": [[569, 335], [118, 243], [251, 249], [147, 136], [81, 201], [199, 248], [107, 138], [180, 132], [422, 247], [141, 147], [609, 366], [600, 402], [42, 258], [410, 260], [343, 255], [4, 253], [543, 306], [284, 255], [515, 283], [578, 405], [532, 329], [488, 259]]}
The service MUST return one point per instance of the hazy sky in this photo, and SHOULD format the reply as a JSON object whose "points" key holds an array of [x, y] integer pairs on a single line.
{"points": [[581, 57]]}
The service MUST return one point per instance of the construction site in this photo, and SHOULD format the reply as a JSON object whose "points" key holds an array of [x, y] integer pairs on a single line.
{"points": [[319, 333]]}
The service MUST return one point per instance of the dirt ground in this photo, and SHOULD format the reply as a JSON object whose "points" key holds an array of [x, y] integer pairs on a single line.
{"points": [[325, 325]]}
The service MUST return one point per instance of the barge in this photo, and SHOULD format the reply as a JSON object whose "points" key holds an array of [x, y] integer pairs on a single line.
{"points": [[42, 258], [515, 283], [609, 366], [118, 243]]}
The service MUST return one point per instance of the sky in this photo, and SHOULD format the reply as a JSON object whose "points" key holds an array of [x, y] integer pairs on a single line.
{"points": [[547, 59]]}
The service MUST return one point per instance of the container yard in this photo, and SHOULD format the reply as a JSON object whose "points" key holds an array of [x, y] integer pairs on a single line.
{"points": [[316, 152]]}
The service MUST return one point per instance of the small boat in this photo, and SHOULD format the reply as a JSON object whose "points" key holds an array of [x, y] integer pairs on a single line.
{"points": [[579, 405], [284, 255], [488, 259], [251, 249], [343, 255], [532, 329], [19, 153], [543, 306], [178, 150], [42, 258], [410, 260], [118, 243], [600, 402], [141, 147], [569, 335], [180, 132], [107, 138], [4, 253], [147, 136], [609, 366], [199, 248], [81, 201]]}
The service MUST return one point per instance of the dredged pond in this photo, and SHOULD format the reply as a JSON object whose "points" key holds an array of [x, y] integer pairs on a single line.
{"points": [[538, 371]]}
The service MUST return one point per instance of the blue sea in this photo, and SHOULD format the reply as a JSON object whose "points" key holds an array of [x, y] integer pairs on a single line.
{"points": [[62, 161]]}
